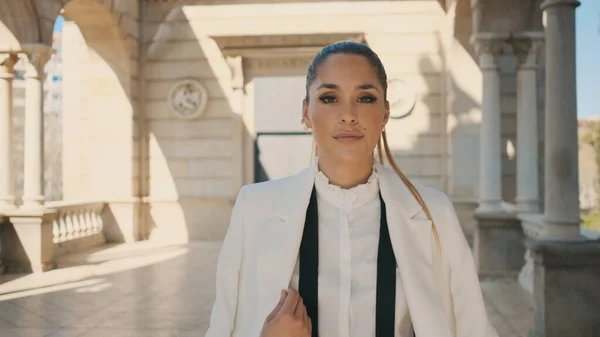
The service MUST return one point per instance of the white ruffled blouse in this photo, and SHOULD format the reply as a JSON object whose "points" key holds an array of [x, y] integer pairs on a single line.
{"points": [[349, 221]]}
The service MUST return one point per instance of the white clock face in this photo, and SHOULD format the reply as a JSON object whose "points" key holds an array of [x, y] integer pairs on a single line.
{"points": [[402, 99], [188, 99]]}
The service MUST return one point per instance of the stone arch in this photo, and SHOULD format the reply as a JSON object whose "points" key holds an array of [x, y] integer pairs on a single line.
{"points": [[124, 13], [463, 25], [99, 113], [18, 24]]}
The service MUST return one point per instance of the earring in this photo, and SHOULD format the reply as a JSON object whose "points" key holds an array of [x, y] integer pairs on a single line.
{"points": [[304, 124]]}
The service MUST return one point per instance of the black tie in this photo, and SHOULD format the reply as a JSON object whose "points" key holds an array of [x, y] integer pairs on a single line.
{"points": [[386, 272]]}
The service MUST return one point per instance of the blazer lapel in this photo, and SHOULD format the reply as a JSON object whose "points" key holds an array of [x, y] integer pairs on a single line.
{"points": [[412, 241], [284, 233]]}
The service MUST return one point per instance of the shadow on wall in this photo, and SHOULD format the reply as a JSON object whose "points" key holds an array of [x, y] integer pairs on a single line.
{"points": [[439, 149], [452, 164], [192, 170], [100, 114]]}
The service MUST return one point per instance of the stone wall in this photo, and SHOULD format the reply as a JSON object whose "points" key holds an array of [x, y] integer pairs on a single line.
{"points": [[190, 161], [101, 110]]}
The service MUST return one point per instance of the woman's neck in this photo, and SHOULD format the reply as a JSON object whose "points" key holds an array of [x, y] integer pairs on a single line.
{"points": [[346, 175]]}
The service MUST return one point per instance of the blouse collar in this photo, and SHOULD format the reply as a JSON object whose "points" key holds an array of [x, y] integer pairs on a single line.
{"points": [[347, 198]]}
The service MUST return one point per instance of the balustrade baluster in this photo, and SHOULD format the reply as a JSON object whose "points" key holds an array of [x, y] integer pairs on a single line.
{"points": [[63, 227], [56, 230], [89, 230], [70, 226]]}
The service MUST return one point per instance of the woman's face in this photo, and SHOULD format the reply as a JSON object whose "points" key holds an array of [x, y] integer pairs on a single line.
{"points": [[346, 109]]}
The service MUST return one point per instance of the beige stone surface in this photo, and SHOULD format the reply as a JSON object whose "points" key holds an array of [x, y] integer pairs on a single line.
{"points": [[146, 289], [115, 114]]}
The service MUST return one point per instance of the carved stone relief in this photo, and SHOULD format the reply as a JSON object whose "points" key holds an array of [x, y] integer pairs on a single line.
{"points": [[188, 99]]}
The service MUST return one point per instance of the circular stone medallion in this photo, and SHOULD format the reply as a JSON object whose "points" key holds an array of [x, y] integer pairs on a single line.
{"points": [[188, 98], [402, 99]]}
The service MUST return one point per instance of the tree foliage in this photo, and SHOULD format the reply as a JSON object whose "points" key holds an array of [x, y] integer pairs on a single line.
{"points": [[592, 137]]}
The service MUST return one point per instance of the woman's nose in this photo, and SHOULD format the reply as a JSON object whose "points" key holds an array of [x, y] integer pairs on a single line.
{"points": [[348, 119], [348, 116]]}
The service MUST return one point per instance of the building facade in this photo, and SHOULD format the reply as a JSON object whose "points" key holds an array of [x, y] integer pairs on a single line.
{"points": [[182, 174], [169, 107]]}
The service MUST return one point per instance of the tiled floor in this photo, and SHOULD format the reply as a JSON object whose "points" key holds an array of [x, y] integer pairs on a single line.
{"points": [[157, 291]]}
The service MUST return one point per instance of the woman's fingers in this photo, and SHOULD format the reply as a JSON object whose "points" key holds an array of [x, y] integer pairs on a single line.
{"points": [[278, 307], [304, 315], [299, 308], [289, 305]]}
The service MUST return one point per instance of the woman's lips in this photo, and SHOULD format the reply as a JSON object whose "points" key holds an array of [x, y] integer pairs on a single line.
{"points": [[348, 138]]}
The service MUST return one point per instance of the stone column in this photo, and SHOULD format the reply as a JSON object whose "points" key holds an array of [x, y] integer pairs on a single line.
{"points": [[33, 178], [560, 221], [490, 189], [561, 215], [27, 240], [7, 62], [498, 238], [7, 199], [566, 266], [526, 48]]}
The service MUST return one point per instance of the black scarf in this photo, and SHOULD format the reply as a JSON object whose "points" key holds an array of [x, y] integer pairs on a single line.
{"points": [[386, 272]]}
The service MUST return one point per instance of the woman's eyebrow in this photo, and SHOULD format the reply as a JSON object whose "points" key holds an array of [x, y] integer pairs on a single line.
{"points": [[335, 86], [328, 86], [367, 86]]}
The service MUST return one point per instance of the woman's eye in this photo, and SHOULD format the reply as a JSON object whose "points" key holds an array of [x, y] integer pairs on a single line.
{"points": [[367, 99], [327, 99]]}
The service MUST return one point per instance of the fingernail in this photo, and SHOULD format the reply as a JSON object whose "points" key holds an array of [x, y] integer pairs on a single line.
{"points": [[282, 293]]}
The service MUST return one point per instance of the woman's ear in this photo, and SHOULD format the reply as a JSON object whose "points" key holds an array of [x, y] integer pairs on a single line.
{"points": [[386, 118], [305, 113]]}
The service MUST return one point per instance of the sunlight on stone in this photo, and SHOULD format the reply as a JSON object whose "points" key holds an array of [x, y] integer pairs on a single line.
{"points": [[95, 288], [510, 149], [54, 288]]}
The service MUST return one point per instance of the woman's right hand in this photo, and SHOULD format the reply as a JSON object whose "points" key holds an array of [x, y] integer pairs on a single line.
{"points": [[288, 318]]}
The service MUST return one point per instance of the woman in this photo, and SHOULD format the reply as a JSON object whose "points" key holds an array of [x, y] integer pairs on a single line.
{"points": [[346, 247]]}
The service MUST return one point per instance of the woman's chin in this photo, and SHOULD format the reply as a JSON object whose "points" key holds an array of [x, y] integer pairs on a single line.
{"points": [[347, 156]]}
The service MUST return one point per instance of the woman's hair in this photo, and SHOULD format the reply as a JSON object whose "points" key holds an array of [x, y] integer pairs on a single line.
{"points": [[355, 48], [347, 48]]}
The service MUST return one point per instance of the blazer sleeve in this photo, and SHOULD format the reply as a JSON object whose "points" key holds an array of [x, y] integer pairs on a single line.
{"points": [[229, 263], [469, 308]]}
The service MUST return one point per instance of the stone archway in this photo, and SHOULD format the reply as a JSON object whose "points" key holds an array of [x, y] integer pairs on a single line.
{"points": [[99, 113], [125, 14], [18, 24]]}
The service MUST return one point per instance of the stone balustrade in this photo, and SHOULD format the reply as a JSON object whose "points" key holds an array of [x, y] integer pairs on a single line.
{"points": [[77, 226]]}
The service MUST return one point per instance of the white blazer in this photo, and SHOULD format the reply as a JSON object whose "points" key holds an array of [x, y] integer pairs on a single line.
{"points": [[262, 243]]}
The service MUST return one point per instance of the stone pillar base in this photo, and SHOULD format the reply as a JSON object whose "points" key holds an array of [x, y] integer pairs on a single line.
{"points": [[121, 220], [2, 268], [27, 241], [499, 247], [566, 293]]}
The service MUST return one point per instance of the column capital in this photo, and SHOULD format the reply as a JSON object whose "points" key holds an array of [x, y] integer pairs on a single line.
{"points": [[548, 4], [7, 64], [36, 55], [526, 48], [489, 47]]}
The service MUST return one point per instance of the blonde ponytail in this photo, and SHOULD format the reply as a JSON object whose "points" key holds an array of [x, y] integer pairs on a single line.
{"points": [[413, 190]]}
